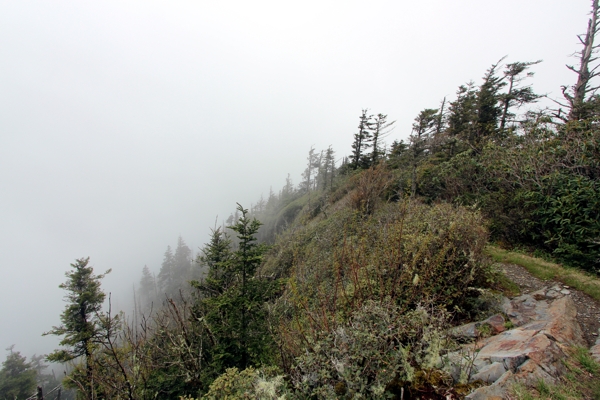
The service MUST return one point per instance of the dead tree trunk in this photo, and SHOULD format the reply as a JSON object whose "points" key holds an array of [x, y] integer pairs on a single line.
{"points": [[578, 95]]}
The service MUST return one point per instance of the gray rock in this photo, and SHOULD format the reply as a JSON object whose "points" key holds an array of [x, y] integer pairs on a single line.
{"points": [[497, 390], [534, 350], [490, 373], [467, 331]]}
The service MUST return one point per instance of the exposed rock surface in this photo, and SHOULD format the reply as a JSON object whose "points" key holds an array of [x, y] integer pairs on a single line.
{"points": [[588, 309], [545, 324], [595, 350]]}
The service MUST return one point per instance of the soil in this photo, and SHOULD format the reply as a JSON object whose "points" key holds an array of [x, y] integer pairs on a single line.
{"points": [[588, 309]]}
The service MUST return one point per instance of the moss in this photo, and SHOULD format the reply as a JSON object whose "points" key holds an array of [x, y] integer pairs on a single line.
{"points": [[340, 388]]}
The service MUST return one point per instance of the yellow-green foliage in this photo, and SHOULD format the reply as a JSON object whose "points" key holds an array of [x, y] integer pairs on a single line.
{"points": [[247, 384], [348, 271], [411, 252]]}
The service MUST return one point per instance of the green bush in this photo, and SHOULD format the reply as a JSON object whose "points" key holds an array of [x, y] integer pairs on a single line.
{"points": [[404, 257], [565, 216]]}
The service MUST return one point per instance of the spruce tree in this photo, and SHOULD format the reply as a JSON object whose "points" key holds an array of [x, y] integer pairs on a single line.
{"points": [[81, 328], [423, 128], [380, 129], [232, 298], [17, 377], [488, 108], [182, 265], [516, 95], [165, 275], [147, 287], [362, 142]]}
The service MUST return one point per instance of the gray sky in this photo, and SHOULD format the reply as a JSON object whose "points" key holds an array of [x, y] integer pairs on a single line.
{"points": [[126, 124]]}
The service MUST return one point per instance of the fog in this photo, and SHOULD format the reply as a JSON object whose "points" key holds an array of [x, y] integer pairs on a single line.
{"points": [[124, 125]]}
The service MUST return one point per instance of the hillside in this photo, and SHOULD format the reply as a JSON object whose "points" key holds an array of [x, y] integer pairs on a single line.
{"points": [[374, 277]]}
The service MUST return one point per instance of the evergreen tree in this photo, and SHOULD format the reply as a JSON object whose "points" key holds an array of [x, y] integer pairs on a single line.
{"points": [[423, 127], [313, 163], [80, 328], [461, 121], [488, 108], [327, 172], [17, 377], [182, 265], [147, 287], [232, 298], [215, 256], [381, 128], [362, 142], [516, 95], [165, 275]]}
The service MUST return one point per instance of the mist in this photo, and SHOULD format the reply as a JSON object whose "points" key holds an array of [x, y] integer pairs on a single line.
{"points": [[124, 125]]}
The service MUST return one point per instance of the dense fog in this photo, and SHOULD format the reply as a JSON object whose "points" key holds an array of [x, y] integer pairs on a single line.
{"points": [[125, 125]]}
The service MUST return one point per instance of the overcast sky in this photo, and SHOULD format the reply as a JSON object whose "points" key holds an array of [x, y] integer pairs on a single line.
{"points": [[124, 124]]}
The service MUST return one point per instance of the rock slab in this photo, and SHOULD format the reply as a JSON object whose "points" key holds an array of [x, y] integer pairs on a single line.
{"points": [[546, 323]]}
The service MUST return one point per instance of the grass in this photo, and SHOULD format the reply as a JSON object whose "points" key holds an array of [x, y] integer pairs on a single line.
{"points": [[545, 270]]}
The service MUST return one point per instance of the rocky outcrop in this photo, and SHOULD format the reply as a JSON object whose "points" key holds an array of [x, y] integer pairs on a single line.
{"points": [[545, 325], [595, 350]]}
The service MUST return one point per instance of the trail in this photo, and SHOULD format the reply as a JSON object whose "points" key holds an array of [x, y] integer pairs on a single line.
{"points": [[588, 309]]}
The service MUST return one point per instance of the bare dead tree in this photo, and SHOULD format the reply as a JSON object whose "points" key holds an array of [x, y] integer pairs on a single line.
{"points": [[581, 92]]}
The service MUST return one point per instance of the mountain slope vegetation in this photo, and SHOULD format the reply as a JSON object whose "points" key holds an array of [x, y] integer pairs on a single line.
{"points": [[345, 285]]}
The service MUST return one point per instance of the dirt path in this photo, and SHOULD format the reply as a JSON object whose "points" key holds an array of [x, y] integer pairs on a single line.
{"points": [[588, 309]]}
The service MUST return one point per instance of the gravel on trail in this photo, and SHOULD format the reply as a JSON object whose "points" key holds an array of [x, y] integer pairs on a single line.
{"points": [[588, 309]]}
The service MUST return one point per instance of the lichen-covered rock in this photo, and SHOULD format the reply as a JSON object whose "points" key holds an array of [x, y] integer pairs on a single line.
{"points": [[489, 373], [595, 350], [533, 350]]}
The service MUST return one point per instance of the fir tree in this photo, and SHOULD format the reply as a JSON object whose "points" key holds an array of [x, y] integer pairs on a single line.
{"points": [[81, 328], [517, 95], [362, 142], [165, 275], [147, 287], [17, 377], [381, 128]]}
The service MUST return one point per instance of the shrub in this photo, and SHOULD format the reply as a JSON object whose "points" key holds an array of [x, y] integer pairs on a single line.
{"points": [[377, 350], [248, 384], [371, 184], [565, 215], [402, 256]]}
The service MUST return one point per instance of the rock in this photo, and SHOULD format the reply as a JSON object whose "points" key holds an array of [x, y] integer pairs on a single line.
{"points": [[489, 373], [534, 350], [498, 389], [509, 348], [539, 294], [565, 292], [496, 322], [595, 352], [524, 309], [467, 331], [562, 323], [553, 294], [530, 373]]}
